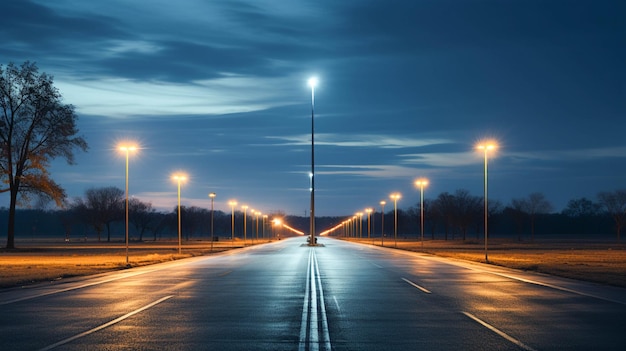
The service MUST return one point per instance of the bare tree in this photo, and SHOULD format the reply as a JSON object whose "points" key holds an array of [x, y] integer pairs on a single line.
{"points": [[537, 204], [614, 204], [532, 206], [141, 216], [35, 127], [106, 206], [467, 210]]}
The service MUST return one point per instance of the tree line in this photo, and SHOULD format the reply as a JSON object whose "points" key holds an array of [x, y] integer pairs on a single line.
{"points": [[100, 215]]}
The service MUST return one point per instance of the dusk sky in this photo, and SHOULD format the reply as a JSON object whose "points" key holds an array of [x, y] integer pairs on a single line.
{"points": [[218, 89]]}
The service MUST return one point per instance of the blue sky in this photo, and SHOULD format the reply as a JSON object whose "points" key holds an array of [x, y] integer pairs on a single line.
{"points": [[218, 89]]}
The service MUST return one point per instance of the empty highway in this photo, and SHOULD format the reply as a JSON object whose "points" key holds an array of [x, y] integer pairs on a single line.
{"points": [[340, 296]]}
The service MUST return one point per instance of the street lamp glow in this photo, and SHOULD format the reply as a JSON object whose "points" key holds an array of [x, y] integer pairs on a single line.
{"points": [[421, 183], [312, 82], [486, 147], [395, 197], [127, 149], [179, 178]]}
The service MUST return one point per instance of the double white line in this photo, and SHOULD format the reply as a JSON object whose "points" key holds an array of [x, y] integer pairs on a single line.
{"points": [[314, 328]]}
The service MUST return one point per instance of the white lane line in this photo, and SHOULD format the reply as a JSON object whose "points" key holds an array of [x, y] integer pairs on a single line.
{"points": [[337, 304], [499, 332], [325, 332], [105, 325], [417, 286], [305, 306], [314, 311], [314, 335]]}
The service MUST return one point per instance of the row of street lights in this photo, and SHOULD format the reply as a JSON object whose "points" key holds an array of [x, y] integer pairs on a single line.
{"points": [[180, 178], [421, 183]]}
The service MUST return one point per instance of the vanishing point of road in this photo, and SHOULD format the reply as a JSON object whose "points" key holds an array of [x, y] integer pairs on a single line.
{"points": [[288, 296]]}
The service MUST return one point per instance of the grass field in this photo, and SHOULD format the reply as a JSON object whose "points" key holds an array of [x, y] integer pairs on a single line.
{"points": [[595, 261], [600, 262]]}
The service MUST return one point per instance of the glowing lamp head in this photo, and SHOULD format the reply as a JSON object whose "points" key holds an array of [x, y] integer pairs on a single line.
{"points": [[179, 177], [212, 195], [421, 182], [383, 203], [312, 82], [128, 148], [487, 145]]}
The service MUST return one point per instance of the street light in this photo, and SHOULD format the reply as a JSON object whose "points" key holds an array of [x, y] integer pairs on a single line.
{"points": [[369, 215], [360, 224], [232, 204], [312, 83], [127, 149], [179, 178], [257, 213], [421, 183], [395, 197], [486, 146], [264, 224], [382, 223], [244, 208], [212, 196]]}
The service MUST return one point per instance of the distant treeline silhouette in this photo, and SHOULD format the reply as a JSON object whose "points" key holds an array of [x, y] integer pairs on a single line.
{"points": [[449, 216]]}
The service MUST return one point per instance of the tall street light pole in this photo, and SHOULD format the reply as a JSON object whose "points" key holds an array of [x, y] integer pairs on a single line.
{"points": [[382, 223], [421, 183], [127, 149], [312, 83], [232, 204], [486, 147], [369, 229], [212, 196], [395, 197], [179, 178], [244, 208]]}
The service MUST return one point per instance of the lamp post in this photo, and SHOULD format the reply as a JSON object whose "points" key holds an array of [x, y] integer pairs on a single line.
{"points": [[244, 208], [264, 224], [312, 83], [232, 204], [360, 224], [369, 215], [179, 178], [212, 196], [395, 197], [382, 223], [421, 183], [127, 149], [256, 214], [486, 146]]}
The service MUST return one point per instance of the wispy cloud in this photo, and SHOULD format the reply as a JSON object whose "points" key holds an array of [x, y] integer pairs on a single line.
{"points": [[116, 97], [358, 140], [374, 171]]}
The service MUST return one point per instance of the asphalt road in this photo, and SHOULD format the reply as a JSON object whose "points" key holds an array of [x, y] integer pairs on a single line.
{"points": [[340, 296]]}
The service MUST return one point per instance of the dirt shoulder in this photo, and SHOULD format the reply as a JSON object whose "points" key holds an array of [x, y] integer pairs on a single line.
{"points": [[593, 261], [36, 262]]}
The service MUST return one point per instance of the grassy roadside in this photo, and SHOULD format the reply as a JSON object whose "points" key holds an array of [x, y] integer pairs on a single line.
{"points": [[600, 262], [593, 261], [41, 262]]}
